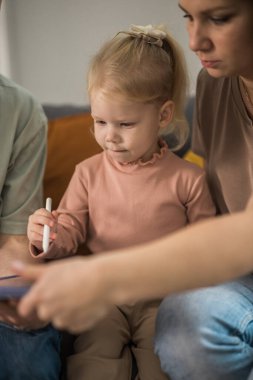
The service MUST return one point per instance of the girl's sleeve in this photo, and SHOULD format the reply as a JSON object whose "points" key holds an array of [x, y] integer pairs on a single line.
{"points": [[73, 220], [199, 203]]}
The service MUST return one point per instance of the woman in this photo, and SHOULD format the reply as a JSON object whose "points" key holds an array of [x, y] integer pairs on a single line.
{"points": [[212, 334], [217, 323]]}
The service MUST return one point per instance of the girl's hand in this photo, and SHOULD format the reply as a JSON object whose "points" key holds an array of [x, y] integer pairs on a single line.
{"points": [[71, 293], [36, 224]]}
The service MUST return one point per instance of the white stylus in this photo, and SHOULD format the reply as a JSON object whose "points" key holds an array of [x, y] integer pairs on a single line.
{"points": [[46, 230]]}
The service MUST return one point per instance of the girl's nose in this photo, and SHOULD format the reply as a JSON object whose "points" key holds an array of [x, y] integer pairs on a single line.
{"points": [[199, 39], [111, 134]]}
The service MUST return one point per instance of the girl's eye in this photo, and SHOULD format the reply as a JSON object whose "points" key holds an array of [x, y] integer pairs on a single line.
{"points": [[126, 125], [100, 122]]}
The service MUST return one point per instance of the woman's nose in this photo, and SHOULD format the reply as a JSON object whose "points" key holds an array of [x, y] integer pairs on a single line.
{"points": [[199, 39]]}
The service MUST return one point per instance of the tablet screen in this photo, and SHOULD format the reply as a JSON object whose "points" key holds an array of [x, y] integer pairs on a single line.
{"points": [[12, 287]]}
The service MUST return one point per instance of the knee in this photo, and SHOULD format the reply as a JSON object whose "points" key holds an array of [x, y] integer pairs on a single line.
{"points": [[179, 314], [204, 319], [194, 318], [170, 329], [210, 324]]}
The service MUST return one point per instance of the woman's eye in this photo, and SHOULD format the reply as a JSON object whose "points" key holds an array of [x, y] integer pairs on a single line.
{"points": [[220, 20], [188, 17]]}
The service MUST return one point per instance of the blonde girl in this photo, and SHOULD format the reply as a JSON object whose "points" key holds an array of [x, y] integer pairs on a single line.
{"points": [[136, 191]]}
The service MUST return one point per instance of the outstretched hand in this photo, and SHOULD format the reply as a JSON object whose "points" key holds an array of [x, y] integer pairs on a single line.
{"points": [[70, 293]]}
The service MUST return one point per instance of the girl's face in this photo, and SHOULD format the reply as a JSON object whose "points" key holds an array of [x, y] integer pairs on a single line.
{"points": [[221, 34], [128, 131]]}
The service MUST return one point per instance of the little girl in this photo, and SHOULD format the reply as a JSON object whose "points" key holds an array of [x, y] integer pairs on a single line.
{"points": [[135, 191]]}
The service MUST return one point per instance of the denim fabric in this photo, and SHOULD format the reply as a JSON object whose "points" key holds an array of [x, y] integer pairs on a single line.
{"points": [[207, 334], [29, 355]]}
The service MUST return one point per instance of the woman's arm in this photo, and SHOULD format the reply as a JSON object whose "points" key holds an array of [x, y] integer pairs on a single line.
{"points": [[75, 293]]}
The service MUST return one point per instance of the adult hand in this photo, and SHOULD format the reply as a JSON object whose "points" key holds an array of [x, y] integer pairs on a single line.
{"points": [[71, 293], [13, 247]]}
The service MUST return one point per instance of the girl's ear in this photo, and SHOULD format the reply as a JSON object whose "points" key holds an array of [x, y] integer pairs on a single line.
{"points": [[166, 113]]}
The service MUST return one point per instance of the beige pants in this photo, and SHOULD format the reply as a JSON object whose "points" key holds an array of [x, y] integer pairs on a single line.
{"points": [[104, 352]]}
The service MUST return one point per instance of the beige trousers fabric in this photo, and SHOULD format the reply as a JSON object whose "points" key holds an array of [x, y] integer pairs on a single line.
{"points": [[104, 352]]}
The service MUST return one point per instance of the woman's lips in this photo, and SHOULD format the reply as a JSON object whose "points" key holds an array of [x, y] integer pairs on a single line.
{"points": [[209, 64]]}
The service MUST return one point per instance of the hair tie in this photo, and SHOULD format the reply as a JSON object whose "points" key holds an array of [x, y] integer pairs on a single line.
{"points": [[148, 33]]}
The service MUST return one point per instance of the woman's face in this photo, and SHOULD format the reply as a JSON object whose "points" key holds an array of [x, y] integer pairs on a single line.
{"points": [[221, 34]]}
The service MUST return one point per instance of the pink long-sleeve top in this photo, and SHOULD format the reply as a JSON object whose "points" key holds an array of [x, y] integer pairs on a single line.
{"points": [[109, 205]]}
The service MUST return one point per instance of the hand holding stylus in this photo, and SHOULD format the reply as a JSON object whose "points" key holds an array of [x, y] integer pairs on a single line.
{"points": [[40, 225]]}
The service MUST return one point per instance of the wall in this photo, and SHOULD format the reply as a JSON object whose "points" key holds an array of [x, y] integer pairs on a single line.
{"points": [[51, 41], [4, 45]]}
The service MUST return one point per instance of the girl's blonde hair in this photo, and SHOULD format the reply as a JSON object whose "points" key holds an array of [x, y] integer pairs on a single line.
{"points": [[144, 65]]}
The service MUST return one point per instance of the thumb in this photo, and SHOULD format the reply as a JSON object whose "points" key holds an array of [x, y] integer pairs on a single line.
{"points": [[28, 271], [250, 203]]}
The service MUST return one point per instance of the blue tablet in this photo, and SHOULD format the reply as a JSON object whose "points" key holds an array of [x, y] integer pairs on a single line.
{"points": [[12, 292], [8, 289]]}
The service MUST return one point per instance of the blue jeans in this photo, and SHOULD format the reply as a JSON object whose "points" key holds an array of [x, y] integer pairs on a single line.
{"points": [[29, 355], [207, 334]]}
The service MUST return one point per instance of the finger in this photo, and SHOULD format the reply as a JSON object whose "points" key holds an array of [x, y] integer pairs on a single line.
{"points": [[35, 236], [43, 313], [62, 323], [78, 327], [30, 272], [35, 220], [28, 304], [55, 215], [9, 314]]}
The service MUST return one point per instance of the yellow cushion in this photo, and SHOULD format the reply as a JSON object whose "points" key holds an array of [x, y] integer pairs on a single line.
{"points": [[194, 158]]}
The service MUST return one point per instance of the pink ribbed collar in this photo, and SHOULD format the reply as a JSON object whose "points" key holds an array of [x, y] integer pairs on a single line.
{"points": [[139, 163]]}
